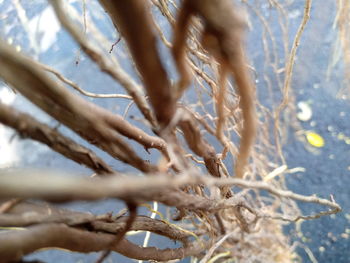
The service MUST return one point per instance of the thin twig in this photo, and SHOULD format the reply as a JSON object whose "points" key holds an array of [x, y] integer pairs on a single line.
{"points": [[289, 70], [214, 247], [76, 87]]}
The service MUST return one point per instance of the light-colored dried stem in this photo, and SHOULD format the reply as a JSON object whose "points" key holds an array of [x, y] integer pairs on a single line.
{"points": [[214, 247], [288, 75]]}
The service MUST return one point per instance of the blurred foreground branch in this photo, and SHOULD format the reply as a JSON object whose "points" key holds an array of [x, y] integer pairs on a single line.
{"points": [[139, 189]]}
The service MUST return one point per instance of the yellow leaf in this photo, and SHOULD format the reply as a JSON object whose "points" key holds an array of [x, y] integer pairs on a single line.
{"points": [[315, 139]]}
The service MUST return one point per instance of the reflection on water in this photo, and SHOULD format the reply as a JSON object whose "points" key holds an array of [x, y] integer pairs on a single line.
{"points": [[8, 147]]}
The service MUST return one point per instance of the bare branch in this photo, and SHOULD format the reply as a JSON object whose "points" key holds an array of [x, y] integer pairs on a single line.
{"points": [[33, 218], [222, 37], [140, 189], [149, 65], [26, 214], [198, 144], [128, 16], [93, 123], [132, 207], [217, 210], [15, 244], [28, 127], [289, 70], [108, 65], [143, 223], [7, 205], [54, 187], [214, 247]]}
